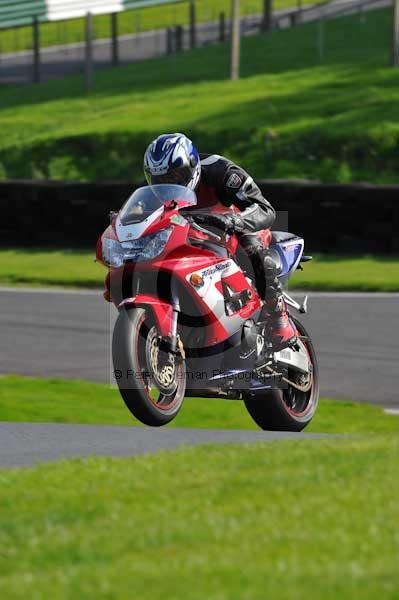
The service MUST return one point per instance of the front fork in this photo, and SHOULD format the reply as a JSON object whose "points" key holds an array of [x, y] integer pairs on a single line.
{"points": [[171, 347]]}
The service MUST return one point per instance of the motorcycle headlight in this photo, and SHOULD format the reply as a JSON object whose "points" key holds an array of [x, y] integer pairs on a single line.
{"points": [[115, 254], [148, 247]]}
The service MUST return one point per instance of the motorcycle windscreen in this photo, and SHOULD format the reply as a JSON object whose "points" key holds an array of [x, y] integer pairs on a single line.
{"points": [[147, 200]]}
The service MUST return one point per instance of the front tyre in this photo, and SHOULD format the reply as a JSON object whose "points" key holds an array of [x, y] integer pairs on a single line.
{"points": [[152, 388], [288, 409]]}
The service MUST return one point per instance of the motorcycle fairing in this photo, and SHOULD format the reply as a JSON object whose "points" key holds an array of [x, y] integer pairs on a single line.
{"points": [[211, 294], [126, 233], [208, 301], [289, 252]]}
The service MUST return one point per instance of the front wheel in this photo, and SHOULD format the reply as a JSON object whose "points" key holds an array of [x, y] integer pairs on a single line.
{"points": [[152, 388], [288, 409]]}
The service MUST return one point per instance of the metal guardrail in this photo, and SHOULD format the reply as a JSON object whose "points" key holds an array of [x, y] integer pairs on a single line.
{"points": [[358, 6], [22, 12], [330, 9]]}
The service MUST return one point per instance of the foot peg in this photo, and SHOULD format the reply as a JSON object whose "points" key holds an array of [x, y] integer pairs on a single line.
{"points": [[301, 308]]}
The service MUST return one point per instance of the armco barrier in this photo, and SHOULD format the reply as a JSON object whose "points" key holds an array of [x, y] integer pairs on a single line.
{"points": [[332, 218], [14, 13]]}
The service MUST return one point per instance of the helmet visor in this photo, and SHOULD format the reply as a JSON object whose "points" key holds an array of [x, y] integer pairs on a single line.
{"points": [[182, 176]]}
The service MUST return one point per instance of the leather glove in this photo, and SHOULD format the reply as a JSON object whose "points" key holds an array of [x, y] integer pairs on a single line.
{"points": [[224, 222]]}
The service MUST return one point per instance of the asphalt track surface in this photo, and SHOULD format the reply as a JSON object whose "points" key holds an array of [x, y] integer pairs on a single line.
{"points": [[50, 333], [25, 444]]}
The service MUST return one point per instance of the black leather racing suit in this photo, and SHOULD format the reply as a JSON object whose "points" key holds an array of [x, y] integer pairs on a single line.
{"points": [[224, 181], [232, 185]]}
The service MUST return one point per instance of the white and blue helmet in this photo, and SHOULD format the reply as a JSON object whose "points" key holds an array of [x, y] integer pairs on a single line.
{"points": [[172, 158]]}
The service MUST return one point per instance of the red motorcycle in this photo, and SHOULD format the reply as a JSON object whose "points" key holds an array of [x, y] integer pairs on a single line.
{"points": [[190, 320]]}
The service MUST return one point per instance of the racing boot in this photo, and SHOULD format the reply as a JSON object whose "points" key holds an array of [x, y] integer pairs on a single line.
{"points": [[266, 267], [282, 330]]}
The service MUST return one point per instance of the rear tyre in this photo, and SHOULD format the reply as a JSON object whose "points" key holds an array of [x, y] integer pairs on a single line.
{"points": [[151, 387], [287, 409]]}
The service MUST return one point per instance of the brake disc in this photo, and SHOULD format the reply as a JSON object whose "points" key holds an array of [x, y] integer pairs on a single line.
{"points": [[164, 375]]}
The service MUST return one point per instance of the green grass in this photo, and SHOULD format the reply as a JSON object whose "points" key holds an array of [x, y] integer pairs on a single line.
{"points": [[367, 273], [288, 521], [32, 400], [71, 268], [131, 21], [289, 116], [33, 267], [284, 520]]}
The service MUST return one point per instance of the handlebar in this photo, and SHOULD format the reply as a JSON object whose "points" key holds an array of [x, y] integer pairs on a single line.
{"points": [[195, 225]]}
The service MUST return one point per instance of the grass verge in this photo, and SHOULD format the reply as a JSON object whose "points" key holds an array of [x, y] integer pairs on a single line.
{"points": [[35, 267], [290, 115], [77, 269], [290, 520], [58, 401]]}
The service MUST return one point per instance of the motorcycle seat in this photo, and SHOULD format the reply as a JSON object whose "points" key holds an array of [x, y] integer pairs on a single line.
{"points": [[282, 236]]}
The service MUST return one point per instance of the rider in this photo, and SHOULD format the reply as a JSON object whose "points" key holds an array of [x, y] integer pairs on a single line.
{"points": [[172, 158]]}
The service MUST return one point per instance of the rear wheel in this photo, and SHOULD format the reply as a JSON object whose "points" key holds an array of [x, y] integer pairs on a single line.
{"points": [[151, 385], [292, 408]]}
